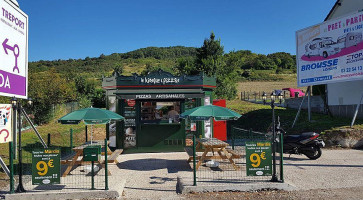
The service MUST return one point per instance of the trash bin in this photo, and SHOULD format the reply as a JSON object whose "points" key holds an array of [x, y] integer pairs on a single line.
{"points": [[92, 153]]}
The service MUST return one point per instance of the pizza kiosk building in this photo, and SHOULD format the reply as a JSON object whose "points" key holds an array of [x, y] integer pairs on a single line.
{"points": [[151, 106]]}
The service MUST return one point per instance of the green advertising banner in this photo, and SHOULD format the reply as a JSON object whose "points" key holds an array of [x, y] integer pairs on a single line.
{"points": [[46, 166], [258, 158]]}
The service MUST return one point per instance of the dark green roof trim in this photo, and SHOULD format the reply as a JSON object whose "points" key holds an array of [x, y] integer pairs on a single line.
{"points": [[158, 80]]}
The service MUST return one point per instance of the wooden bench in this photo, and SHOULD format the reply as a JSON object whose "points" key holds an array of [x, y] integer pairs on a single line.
{"points": [[67, 158], [114, 155], [236, 153], [189, 151]]}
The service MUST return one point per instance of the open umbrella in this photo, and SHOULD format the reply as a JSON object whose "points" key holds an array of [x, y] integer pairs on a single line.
{"points": [[90, 116], [210, 111]]}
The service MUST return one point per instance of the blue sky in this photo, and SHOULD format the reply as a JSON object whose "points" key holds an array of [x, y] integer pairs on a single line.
{"points": [[63, 29]]}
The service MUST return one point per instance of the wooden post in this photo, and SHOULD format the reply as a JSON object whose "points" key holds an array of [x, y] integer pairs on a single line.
{"points": [[259, 94]]}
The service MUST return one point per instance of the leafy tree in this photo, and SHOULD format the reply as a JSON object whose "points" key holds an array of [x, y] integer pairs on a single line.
{"points": [[208, 57], [186, 65], [118, 68], [5, 100], [160, 52], [84, 102], [283, 60], [80, 82], [227, 76], [102, 56], [211, 61], [99, 98], [262, 62], [48, 88]]}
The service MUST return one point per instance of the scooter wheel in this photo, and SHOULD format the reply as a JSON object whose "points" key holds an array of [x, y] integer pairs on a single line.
{"points": [[313, 155]]}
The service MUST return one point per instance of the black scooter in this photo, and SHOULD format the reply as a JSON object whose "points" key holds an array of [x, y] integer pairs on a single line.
{"points": [[305, 143]]}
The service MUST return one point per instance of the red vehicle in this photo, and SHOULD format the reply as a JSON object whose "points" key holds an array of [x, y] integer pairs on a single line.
{"points": [[293, 90]]}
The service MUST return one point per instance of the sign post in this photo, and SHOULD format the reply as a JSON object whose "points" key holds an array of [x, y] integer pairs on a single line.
{"points": [[46, 166], [259, 161], [13, 51]]}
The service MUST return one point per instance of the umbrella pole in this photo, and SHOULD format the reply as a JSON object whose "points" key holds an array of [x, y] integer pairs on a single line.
{"points": [[91, 133], [85, 128], [211, 127]]}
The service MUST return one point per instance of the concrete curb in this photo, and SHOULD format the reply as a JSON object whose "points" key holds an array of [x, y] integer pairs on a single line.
{"points": [[92, 194], [243, 187]]}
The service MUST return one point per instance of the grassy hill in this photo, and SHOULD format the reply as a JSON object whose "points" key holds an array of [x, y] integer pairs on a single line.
{"points": [[273, 67], [131, 62]]}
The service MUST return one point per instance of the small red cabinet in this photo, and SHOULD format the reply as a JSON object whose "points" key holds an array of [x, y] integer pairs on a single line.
{"points": [[220, 127]]}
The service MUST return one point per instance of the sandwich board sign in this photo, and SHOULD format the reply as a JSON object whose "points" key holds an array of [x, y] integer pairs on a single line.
{"points": [[46, 166], [13, 51], [258, 158]]}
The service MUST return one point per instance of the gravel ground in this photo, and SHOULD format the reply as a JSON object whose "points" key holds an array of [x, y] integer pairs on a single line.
{"points": [[335, 169], [336, 175], [328, 194]]}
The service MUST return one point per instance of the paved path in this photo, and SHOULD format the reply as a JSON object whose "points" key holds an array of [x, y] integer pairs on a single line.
{"points": [[153, 175]]}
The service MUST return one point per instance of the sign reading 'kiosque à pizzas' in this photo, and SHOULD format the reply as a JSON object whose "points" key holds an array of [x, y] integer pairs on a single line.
{"points": [[13, 51], [331, 51]]}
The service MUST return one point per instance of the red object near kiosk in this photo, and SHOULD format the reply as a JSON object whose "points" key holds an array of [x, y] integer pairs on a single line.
{"points": [[220, 127]]}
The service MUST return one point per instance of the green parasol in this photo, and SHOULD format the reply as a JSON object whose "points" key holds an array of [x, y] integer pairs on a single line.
{"points": [[90, 116], [210, 111]]}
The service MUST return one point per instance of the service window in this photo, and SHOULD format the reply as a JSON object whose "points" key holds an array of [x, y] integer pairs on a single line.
{"points": [[160, 112]]}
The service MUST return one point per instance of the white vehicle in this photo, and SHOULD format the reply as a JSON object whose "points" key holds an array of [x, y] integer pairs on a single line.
{"points": [[349, 39], [324, 46]]}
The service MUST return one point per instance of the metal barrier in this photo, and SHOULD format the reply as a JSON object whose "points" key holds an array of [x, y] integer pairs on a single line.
{"points": [[258, 97], [81, 176], [218, 162]]}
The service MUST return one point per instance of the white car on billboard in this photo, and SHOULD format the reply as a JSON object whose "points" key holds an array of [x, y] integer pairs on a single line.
{"points": [[324, 46]]}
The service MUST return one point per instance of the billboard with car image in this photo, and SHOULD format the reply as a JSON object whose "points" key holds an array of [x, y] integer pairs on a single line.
{"points": [[331, 51]]}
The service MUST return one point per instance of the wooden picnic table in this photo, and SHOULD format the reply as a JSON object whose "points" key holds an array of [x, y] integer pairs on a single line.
{"points": [[78, 152], [215, 145]]}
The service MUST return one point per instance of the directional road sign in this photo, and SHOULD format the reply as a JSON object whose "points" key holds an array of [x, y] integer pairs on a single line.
{"points": [[13, 51]]}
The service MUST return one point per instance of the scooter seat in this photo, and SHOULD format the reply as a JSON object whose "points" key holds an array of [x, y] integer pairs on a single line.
{"points": [[295, 138], [307, 134], [292, 138]]}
